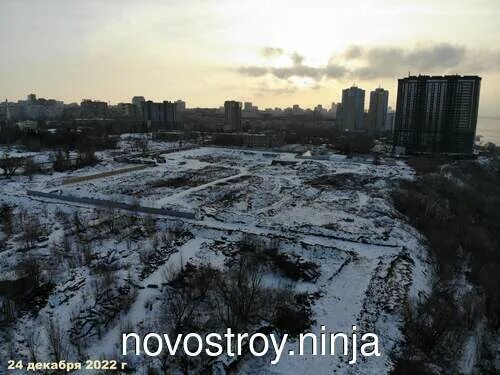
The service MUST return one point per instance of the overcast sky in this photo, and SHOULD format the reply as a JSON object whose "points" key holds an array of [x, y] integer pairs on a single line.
{"points": [[273, 53]]}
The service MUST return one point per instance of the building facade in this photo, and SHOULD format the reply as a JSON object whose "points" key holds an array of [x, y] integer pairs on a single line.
{"points": [[437, 113], [93, 109], [159, 114], [232, 116], [138, 100], [352, 108], [247, 106], [377, 112], [34, 108], [181, 105], [124, 111], [389, 121]]}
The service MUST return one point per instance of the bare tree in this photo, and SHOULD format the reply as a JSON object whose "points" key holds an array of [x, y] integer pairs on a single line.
{"points": [[141, 143], [30, 267], [30, 168], [32, 230], [8, 311], [10, 164], [183, 301], [56, 340], [61, 162], [77, 222], [67, 244], [149, 224], [6, 215], [111, 219], [32, 341], [240, 293]]}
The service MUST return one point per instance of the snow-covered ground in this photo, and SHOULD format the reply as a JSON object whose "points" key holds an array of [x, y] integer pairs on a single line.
{"points": [[336, 213]]}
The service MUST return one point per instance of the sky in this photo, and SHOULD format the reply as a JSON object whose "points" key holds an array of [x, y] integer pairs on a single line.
{"points": [[272, 53]]}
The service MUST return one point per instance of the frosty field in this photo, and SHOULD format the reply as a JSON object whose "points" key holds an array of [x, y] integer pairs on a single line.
{"points": [[332, 220]]}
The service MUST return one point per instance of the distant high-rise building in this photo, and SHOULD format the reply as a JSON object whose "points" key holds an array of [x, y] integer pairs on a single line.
{"points": [[170, 112], [338, 116], [124, 110], [437, 113], [5, 111], [138, 100], [319, 110], [247, 107], [296, 110], [151, 111], [332, 112], [352, 109], [232, 116], [389, 120], [377, 111], [159, 114], [93, 109], [31, 98], [71, 111], [181, 105]]}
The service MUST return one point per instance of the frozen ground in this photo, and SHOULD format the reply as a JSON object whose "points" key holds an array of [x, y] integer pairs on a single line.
{"points": [[336, 213]]}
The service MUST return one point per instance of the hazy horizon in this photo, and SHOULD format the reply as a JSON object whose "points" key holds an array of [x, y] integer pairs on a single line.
{"points": [[205, 52]]}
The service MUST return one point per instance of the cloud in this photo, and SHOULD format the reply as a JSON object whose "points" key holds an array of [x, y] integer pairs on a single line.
{"points": [[358, 62], [253, 71], [269, 52], [297, 59], [335, 71], [483, 61], [353, 52], [296, 69], [392, 61]]}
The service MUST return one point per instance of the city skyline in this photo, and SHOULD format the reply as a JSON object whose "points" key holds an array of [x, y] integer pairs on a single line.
{"points": [[212, 51], [33, 96]]}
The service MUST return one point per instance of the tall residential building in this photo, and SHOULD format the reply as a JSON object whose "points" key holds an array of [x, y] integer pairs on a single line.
{"points": [[352, 109], [377, 112], [159, 114], [181, 105], [437, 113], [124, 110], [232, 116], [34, 108], [93, 109], [5, 112], [338, 116], [71, 111], [333, 109], [389, 120], [296, 110], [319, 111], [138, 100], [247, 106]]}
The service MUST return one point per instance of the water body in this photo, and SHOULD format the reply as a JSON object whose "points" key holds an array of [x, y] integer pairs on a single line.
{"points": [[489, 129]]}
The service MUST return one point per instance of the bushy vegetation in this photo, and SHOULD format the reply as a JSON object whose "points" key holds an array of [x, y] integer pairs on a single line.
{"points": [[206, 299], [97, 138], [457, 207]]}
